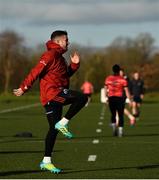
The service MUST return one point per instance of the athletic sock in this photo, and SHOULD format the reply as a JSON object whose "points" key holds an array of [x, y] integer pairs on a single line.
{"points": [[47, 159], [64, 121], [114, 126], [120, 131]]}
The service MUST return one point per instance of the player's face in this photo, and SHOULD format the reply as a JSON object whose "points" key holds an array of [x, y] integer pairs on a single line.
{"points": [[136, 76], [63, 42]]}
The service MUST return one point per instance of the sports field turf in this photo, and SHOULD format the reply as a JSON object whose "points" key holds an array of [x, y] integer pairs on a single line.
{"points": [[136, 155]]}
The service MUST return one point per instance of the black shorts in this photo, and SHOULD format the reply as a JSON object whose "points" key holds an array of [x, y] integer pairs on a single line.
{"points": [[67, 96], [117, 102], [88, 95], [124, 99], [137, 99]]}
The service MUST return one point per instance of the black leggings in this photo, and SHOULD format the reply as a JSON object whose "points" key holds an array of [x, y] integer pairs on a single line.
{"points": [[54, 113], [117, 104]]}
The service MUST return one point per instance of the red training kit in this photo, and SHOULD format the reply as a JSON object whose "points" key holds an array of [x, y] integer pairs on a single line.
{"points": [[53, 73], [115, 85]]}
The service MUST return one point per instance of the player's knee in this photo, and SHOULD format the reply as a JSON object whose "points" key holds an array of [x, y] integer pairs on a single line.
{"points": [[83, 99]]}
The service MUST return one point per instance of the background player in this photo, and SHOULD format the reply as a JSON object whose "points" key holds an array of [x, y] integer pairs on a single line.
{"points": [[126, 111], [114, 87], [137, 93], [87, 89]]}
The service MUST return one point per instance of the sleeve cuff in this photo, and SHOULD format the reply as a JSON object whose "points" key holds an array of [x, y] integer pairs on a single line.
{"points": [[24, 88], [75, 66]]}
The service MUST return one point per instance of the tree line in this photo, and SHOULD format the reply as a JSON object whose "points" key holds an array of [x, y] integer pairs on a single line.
{"points": [[133, 54]]}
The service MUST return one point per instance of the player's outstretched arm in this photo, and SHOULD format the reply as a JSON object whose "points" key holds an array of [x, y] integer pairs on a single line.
{"points": [[33, 75]]}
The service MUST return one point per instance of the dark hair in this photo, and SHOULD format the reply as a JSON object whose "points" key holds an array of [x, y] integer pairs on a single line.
{"points": [[116, 69], [58, 33]]}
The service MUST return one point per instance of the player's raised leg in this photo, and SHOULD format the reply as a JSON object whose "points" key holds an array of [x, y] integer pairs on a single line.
{"points": [[77, 101]]}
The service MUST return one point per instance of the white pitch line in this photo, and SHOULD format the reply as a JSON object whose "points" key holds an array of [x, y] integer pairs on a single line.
{"points": [[98, 130], [92, 158], [95, 141], [101, 117], [100, 123], [19, 108]]}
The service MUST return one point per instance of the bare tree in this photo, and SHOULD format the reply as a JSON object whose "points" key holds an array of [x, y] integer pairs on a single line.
{"points": [[145, 44], [10, 50]]}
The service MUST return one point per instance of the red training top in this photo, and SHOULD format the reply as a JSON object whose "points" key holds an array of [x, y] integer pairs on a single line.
{"points": [[115, 85], [87, 88], [53, 73]]}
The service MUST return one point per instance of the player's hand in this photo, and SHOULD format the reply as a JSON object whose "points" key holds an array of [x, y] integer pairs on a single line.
{"points": [[75, 58], [18, 92], [141, 96], [130, 103]]}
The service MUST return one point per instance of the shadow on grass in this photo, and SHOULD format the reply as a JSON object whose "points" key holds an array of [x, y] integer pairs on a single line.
{"points": [[19, 172], [25, 152], [141, 135], [110, 136], [19, 139], [9, 173], [151, 102], [5, 136], [90, 137], [69, 171], [118, 168], [76, 138], [149, 125]]}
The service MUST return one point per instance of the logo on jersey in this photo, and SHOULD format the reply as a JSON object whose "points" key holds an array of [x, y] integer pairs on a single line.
{"points": [[43, 62], [65, 91]]}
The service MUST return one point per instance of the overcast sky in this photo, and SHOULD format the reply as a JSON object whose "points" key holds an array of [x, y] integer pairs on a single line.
{"points": [[88, 22]]}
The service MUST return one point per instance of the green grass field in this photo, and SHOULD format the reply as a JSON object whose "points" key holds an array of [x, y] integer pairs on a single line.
{"points": [[136, 155]]}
